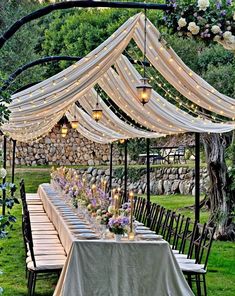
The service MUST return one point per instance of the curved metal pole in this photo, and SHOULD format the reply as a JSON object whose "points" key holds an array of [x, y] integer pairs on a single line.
{"points": [[24, 67], [72, 4]]}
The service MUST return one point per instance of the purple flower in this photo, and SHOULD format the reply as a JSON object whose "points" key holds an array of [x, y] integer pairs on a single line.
{"points": [[218, 4], [229, 2]]}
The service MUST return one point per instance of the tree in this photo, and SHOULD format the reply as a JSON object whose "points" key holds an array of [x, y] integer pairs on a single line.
{"points": [[217, 67]]}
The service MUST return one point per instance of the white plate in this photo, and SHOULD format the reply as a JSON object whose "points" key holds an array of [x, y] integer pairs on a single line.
{"points": [[144, 231], [151, 237], [87, 236]]}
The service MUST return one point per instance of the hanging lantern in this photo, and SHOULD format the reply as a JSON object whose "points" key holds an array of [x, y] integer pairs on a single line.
{"points": [[121, 141], [74, 123], [97, 112], [64, 130], [144, 91]]}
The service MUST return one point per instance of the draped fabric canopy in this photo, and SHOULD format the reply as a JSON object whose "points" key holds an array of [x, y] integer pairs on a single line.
{"points": [[36, 110]]}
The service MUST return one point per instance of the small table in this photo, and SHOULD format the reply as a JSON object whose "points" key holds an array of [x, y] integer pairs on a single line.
{"points": [[154, 157]]}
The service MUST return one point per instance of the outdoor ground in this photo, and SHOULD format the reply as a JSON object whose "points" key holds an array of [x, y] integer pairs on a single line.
{"points": [[221, 271]]}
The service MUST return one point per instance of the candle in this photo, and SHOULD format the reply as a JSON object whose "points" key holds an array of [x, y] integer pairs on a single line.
{"points": [[116, 204], [93, 189], [105, 184], [131, 196]]}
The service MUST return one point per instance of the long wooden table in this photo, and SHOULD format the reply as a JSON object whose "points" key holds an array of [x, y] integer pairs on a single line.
{"points": [[110, 268]]}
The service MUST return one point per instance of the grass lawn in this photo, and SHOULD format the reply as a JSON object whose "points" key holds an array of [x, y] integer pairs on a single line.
{"points": [[221, 268]]}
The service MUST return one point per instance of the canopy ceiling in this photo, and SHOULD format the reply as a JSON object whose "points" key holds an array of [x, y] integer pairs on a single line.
{"points": [[36, 110]]}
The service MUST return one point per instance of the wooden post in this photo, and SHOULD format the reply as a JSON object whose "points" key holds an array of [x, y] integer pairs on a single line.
{"points": [[110, 168], [148, 182], [4, 179], [197, 177], [125, 172]]}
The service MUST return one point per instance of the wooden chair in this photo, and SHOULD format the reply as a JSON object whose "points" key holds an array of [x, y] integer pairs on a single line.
{"points": [[202, 246], [42, 264], [172, 228], [155, 215]]}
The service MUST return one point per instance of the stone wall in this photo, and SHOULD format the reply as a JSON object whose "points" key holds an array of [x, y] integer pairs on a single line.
{"points": [[163, 180], [72, 150]]}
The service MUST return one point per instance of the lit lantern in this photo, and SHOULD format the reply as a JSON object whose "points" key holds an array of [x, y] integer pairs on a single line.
{"points": [[74, 123], [64, 130], [144, 91], [97, 113], [121, 141]]}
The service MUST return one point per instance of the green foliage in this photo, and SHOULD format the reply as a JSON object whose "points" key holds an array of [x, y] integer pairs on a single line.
{"points": [[7, 220]]}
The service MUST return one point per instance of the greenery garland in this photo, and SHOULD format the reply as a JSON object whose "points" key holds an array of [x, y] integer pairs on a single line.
{"points": [[204, 19]]}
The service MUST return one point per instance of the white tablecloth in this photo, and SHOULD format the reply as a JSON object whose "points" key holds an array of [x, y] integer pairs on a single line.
{"points": [[109, 268]]}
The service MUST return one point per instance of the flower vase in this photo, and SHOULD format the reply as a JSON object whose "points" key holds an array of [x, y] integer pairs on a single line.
{"points": [[118, 237]]}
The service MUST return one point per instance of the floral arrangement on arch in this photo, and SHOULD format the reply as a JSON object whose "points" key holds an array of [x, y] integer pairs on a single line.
{"points": [[205, 19]]}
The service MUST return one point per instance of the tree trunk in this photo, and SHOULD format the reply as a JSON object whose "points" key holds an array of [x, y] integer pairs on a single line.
{"points": [[220, 193]]}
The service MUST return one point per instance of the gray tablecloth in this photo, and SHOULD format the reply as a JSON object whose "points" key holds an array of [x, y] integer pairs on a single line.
{"points": [[109, 268]]}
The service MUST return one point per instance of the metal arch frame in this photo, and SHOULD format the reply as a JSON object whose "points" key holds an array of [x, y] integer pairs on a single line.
{"points": [[73, 4], [49, 59]]}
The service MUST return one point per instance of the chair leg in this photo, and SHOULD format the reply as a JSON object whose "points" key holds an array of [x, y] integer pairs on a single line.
{"points": [[190, 280], [34, 283], [30, 282], [198, 283], [204, 285]]}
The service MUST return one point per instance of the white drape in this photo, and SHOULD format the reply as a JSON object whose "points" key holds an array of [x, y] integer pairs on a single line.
{"points": [[173, 69], [36, 110]]}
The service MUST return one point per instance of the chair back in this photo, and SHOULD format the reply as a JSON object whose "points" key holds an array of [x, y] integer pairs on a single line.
{"points": [[138, 213], [28, 236], [181, 234], [205, 246], [23, 196], [196, 241], [172, 228], [161, 219], [154, 216], [166, 223], [189, 238]]}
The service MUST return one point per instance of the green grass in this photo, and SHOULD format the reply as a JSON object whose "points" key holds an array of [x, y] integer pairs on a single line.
{"points": [[178, 203], [221, 271]]}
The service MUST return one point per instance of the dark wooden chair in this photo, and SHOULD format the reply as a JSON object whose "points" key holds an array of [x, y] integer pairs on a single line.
{"points": [[43, 264], [201, 247]]}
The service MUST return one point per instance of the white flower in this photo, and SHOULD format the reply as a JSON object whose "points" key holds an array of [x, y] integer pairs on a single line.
{"points": [[182, 22], [203, 4], [217, 38], [215, 29], [227, 35], [193, 28], [234, 16], [3, 173]]}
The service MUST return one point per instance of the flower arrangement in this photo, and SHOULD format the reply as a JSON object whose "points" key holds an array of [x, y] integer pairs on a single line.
{"points": [[118, 225], [208, 20], [93, 198]]}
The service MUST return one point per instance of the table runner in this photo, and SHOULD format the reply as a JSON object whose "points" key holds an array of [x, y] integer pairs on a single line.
{"points": [[109, 268]]}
